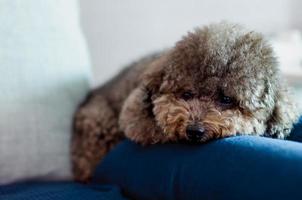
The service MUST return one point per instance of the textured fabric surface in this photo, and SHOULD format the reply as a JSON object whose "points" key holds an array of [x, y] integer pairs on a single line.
{"points": [[59, 191], [44, 75], [245, 167]]}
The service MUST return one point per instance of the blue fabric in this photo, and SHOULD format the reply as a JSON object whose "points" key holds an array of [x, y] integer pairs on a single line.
{"points": [[244, 167], [59, 191]]}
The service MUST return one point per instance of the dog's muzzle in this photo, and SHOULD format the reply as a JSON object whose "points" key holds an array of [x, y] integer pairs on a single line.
{"points": [[195, 132]]}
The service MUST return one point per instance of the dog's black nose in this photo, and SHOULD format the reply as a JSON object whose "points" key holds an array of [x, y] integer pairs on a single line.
{"points": [[195, 132]]}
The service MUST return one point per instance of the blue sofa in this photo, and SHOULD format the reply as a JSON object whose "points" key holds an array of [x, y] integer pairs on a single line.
{"points": [[244, 167]]}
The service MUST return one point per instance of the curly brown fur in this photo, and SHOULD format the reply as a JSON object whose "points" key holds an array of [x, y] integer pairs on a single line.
{"points": [[221, 80]]}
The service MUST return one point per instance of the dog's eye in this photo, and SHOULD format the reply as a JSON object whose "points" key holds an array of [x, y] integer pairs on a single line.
{"points": [[226, 100], [187, 95]]}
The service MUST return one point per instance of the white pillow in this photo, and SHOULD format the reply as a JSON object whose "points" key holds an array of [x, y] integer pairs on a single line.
{"points": [[44, 71], [288, 48]]}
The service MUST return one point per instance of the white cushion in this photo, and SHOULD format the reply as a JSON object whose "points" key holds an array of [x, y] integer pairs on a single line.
{"points": [[288, 48], [44, 74]]}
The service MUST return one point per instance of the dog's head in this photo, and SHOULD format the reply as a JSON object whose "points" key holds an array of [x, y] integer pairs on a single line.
{"points": [[217, 81]]}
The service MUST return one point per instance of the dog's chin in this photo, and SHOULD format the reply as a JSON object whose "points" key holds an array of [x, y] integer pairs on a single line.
{"points": [[206, 138], [194, 142], [202, 140], [185, 140]]}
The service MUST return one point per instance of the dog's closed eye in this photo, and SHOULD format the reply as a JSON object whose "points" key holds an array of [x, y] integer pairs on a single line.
{"points": [[187, 95], [225, 101]]}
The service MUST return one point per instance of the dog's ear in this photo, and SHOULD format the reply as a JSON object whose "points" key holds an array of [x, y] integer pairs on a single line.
{"points": [[284, 115], [136, 119], [152, 78]]}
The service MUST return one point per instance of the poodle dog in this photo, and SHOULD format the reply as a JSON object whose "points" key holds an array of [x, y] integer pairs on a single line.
{"points": [[218, 81]]}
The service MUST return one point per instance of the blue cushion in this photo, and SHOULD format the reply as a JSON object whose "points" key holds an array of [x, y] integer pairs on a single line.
{"points": [[59, 191], [244, 167]]}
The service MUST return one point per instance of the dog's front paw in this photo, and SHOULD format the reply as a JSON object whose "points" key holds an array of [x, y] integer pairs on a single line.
{"points": [[278, 131]]}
